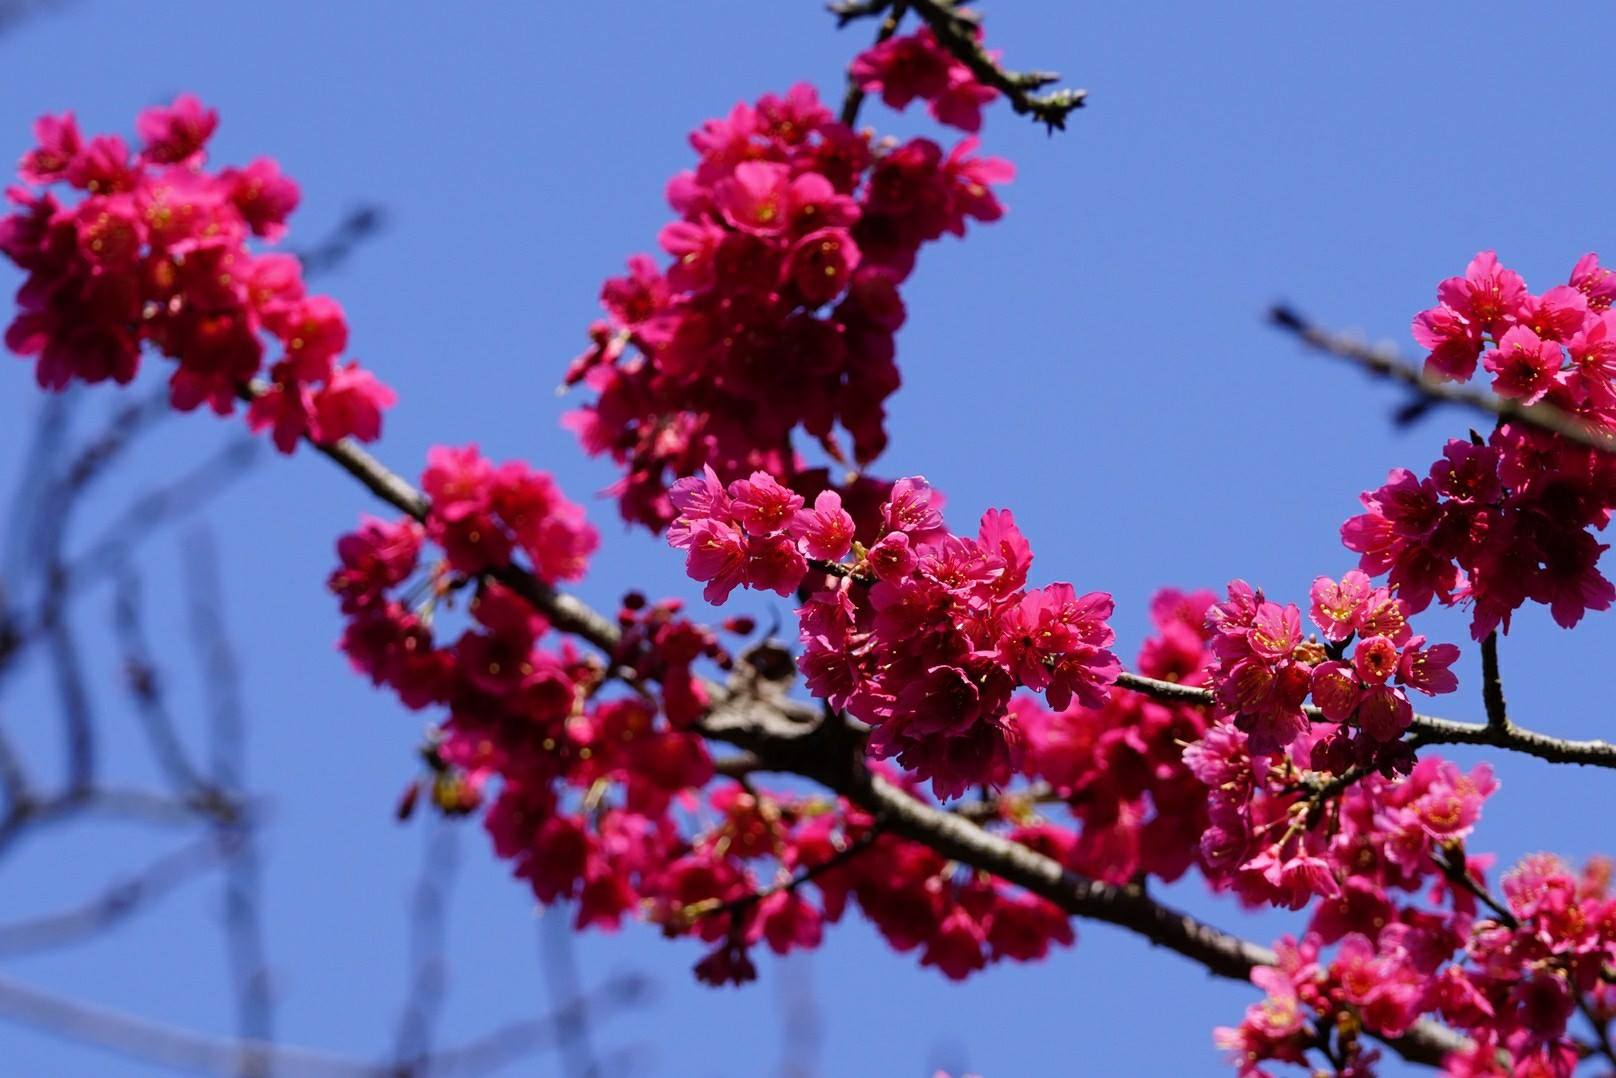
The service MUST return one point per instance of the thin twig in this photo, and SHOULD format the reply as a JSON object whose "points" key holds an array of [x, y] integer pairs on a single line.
{"points": [[574, 1039], [958, 31], [429, 927], [158, 507], [1451, 861], [120, 900], [737, 906], [145, 686], [853, 100], [243, 904], [193, 1052], [1386, 363], [331, 251]]}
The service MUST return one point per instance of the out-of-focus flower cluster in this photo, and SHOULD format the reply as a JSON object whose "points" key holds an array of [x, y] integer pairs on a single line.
{"points": [[153, 248]]}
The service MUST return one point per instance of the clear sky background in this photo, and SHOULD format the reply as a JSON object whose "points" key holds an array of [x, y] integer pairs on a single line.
{"points": [[1097, 362]]}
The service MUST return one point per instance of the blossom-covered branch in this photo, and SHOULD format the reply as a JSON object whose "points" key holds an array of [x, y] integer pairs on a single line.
{"points": [[1425, 729], [783, 736], [739, 384]]}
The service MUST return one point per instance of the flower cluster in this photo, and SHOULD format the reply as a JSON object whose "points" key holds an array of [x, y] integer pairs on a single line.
{"points": [[480, 514], [1157, 788], [1510, 978], [581, 789], [1266, 670], [1293, 788], [1506, 519], [779, 307], [1119, 766], [923, 634], [156, 250], [959, 922]]}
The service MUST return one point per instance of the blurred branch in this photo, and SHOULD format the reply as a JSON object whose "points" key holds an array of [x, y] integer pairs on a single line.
{"points": [[42, 511], [13, 13], [158, 507], [801, 1018], [360, 224], [120, 900], [243, 927], [130, 805], [13, 777], [145, 686], [199, 1053], [429, 925], [571, 1013], [494, 1050], [67, 669], [1386, 363], [164, 1045]]}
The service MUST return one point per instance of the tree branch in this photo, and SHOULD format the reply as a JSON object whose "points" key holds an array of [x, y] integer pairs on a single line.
{"points": [[1492, 686], [190, 1051], [786, 736], [1387, 364], [957, 31], [1426, 729], [120, 900]]}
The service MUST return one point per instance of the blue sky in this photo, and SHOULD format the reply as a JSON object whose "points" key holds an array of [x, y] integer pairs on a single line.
{"points": [[1097, 362]]}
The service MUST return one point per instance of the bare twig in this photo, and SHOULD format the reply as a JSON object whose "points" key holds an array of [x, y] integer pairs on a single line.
{"points": [[429, 924], [168, 1046], [158, 507], [14, 785], [14, 13], [736, 906], [574, 1040], [329, 253], [199, 1053], [801, 1021], [145, 687], [244, 933], [73, 694], [959, 32], [499, 1047], [1386, 363], [122, 899]]}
